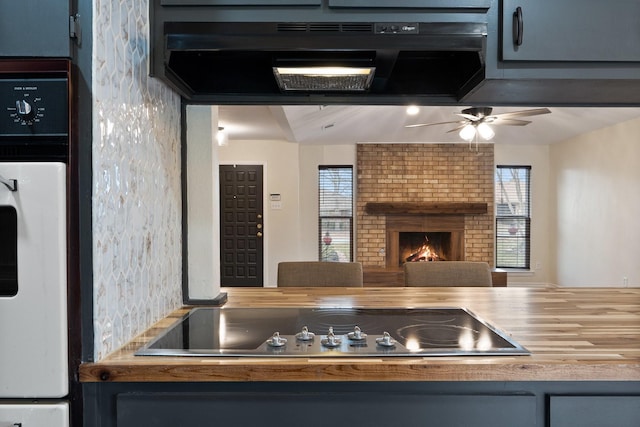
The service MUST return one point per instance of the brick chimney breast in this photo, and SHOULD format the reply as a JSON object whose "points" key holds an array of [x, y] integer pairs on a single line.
{"points": [[433, 174]]}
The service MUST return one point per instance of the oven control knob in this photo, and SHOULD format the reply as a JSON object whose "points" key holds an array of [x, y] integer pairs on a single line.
{"points": [[25, 110]]}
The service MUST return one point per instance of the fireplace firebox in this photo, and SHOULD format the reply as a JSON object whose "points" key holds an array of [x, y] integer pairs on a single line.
{"points": [[424, 238], [424, 246]]}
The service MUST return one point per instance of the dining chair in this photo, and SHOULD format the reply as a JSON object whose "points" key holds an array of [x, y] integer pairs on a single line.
{"points": [[318, 273], [447, 273]]}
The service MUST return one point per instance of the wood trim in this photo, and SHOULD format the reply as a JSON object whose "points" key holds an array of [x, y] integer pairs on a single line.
{"points": [[424, 208]]}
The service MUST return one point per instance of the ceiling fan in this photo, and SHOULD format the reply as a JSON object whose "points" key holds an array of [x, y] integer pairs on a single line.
{"points": [[475, 121]]}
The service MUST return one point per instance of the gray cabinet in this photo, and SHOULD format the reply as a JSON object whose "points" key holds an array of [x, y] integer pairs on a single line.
{"points": [[594, 411], [571, 30], [241, 2], [397, 4], [363, 403], [419, 4], [325, 409], [35, 28]]}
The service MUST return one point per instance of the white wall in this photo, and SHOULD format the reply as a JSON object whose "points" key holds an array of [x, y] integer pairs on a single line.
{"points": [[596, 212], [291, 170], [203, 203], [585, 203], [281, 170], [312, 156], [536, 156]]}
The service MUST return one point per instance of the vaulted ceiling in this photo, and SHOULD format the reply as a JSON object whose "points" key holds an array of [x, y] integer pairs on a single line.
{"points": [[341, 124]]}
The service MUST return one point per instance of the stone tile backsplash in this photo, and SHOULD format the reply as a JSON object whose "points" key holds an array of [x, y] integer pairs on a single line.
{"points": [[137, 248]]}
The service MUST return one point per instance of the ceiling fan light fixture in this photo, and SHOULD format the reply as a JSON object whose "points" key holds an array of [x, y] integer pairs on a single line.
{"points": [[485, 131], [468, 132]]}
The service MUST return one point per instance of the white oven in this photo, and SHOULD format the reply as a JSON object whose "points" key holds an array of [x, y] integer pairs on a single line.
{"points": [[33, 277], [34, 361], [34, 415], [33, 293]]}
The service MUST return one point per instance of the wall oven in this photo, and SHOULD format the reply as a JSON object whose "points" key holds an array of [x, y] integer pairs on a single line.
{"points": [[34, 144]]}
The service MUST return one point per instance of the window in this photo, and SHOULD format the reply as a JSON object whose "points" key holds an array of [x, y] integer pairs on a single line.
{"points": [[513, 217], [335, 233]]}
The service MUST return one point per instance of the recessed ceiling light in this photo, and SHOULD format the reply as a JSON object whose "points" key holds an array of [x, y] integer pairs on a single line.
{"points": [[222, 137], [412, 110]]}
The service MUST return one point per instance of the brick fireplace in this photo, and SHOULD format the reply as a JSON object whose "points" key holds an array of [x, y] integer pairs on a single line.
{"points": [[416, 238], [445, 190]]}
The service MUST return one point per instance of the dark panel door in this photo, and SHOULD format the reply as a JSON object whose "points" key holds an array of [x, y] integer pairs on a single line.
{"points": [[241, 225]]}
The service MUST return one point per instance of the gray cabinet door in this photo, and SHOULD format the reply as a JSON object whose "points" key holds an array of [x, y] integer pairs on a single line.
{"points": [[594, 411], [35, 28], [571, 30]]}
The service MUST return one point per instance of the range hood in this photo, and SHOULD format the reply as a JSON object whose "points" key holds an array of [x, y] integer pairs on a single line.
{"points": [[251, 62]]}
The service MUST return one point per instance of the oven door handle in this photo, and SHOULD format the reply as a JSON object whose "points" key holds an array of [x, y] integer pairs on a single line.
{"points": [[11, 184]]}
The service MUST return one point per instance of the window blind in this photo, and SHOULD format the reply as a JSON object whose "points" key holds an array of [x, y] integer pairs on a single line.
{"points": [[335, 222], [513, 217]]}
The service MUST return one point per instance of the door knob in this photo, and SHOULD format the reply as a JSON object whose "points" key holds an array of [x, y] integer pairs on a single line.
{"points": [[259, 234], [259, 226]]}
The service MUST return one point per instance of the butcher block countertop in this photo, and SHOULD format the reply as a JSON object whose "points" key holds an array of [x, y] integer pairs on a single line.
{"points": [[574, 334]]}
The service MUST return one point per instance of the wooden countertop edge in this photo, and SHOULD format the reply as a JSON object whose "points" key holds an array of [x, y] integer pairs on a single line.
{"points": [[338, 370]]}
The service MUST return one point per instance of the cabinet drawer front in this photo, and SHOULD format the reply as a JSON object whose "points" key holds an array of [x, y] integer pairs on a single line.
{"points": [[594, 411], [325, 409], [240, 2], [420, 4]]}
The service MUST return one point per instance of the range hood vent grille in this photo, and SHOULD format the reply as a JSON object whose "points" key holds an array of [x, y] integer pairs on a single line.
{"points": [[325, 27]]}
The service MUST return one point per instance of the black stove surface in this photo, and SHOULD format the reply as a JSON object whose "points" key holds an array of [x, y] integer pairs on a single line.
{"points": [[213, 331]]}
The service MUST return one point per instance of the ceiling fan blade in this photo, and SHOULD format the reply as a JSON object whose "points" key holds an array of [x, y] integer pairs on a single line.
{"points": [[457, 128], [429, 124], [509, 122], [469, 116], [523, 113]]}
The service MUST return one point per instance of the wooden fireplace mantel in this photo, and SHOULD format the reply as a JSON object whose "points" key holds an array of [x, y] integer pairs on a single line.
{"points": [[424, 208]]}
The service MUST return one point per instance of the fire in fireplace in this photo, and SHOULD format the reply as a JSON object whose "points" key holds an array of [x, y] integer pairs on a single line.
{"points": [[407, 234], [424, 246]]}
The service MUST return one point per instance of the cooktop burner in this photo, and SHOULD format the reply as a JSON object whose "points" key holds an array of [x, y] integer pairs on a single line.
{"points": [[311, 332]]}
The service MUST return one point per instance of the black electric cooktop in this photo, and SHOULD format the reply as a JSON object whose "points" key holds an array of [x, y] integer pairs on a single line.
{"points": [[331, 332]]}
